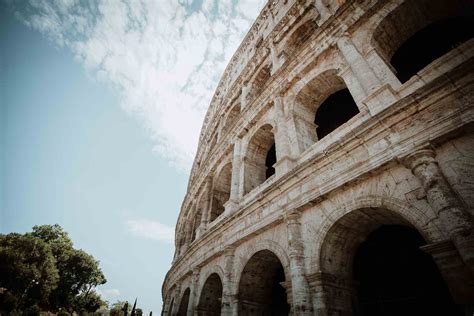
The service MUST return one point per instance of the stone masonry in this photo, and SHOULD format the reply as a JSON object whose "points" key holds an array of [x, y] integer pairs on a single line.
{"points": [[335, 122]]}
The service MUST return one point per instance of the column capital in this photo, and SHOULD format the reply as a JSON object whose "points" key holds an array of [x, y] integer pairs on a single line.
{"points": [[419, 157], [292, 216]]}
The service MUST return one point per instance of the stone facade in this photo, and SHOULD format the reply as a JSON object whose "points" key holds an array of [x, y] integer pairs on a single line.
{"points": [[321, 139]]}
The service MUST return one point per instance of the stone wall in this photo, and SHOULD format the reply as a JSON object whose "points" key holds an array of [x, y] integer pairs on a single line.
{"points": [[405, 159]]}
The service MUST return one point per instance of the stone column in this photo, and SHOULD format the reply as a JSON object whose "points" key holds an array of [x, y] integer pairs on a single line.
{"points": [[189, 226], [285, 159], [229, 297], [235, 178], [177, 298], [207, 209], [301, 296], [382, 69], [379, 96], [457, 222], [358, 64], [193, 299]]}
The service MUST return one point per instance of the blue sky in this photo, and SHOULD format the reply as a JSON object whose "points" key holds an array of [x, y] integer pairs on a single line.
{"points": [[101, 106]]}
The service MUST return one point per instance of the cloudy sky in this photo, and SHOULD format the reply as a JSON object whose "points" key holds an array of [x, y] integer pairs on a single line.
{"points": [[101, 107]]}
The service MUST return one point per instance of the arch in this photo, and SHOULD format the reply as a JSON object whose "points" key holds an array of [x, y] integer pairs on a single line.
{"points": [[422, 219], [210, 298], [259, 82], [221, 191], [196, 218], [323, 104], [415, 33], [260, 289], [407, 280], [348, 230], [215, 269], [183, 304], [260, 150], [300, 36], [231, 117], [269, 245]]}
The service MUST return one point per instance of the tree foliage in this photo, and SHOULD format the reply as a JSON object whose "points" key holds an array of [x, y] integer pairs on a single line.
{"points": [[43, 269]]}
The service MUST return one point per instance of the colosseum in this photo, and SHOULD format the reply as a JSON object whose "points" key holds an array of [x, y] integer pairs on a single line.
{"points": [[335, 167]]}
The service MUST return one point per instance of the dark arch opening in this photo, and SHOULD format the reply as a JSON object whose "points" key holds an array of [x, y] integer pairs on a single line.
{"points": [[258, 157], [336, 110], [183, 305], [260, 289], [270, 160], [211, 296], [430, 43], [395, 277], [221, 191]]}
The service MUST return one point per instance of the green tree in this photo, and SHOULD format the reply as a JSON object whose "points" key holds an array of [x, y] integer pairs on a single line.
{"points": [[28, 272], [42, 269], [88, 302], [117, 308], [79, 272]]}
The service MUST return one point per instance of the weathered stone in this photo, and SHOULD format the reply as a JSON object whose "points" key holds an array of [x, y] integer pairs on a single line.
{"points": [[286, 231]]}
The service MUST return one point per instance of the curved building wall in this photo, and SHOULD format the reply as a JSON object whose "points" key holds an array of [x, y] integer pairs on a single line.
{"points": [[319, 140]]}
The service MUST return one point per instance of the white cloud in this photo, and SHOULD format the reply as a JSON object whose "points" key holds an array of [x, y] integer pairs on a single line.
{"points": [[108, 293], [151, 230], [164, 57]]}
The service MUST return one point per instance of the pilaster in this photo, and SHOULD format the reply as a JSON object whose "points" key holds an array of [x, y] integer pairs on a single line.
{"points": [[456, 221], [193, 298], [229, 298], [366, 77], [301, 297], [235, 194], [285, 158]]}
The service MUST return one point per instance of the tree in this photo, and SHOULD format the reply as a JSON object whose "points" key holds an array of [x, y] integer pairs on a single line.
{"points": [[88, 302], [28, 272], [47, 270], [118, 308], [79, 272]]}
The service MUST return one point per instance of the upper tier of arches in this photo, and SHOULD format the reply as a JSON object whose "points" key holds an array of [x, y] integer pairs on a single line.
{"points": [[321, 98]]}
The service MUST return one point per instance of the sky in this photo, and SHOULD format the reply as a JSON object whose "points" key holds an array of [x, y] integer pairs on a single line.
{"points": [[101, 105]]}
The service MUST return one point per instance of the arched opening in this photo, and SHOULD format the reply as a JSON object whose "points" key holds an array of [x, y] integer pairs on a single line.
{"points": [[336, 110], [221, 191], [320, 107], [260, 158], [259, 82], [270, 161], [260, 289], [429, 44], [299, 37], [211, 296], [183, 305], [418, 32], [395, 277], [196, 222], [231, 117], [373, 259]]}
